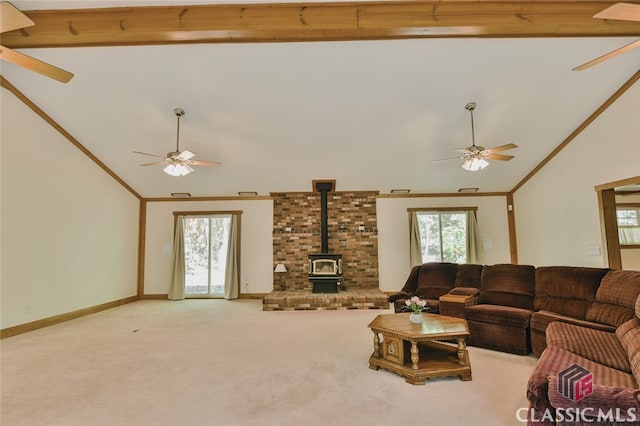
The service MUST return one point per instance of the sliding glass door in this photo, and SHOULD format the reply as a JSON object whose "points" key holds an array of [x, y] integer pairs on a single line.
{"points": [[206, 245]]}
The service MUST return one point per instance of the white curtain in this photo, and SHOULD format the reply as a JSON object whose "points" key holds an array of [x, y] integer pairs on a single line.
{"points": [[472, 238], [232, 278], [629, 236], [176, 290], [415, 247]]}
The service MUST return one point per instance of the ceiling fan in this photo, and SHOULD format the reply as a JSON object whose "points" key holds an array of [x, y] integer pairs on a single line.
{"points": [[12, 19], [178, 163], [621, 12], [475, 157]]}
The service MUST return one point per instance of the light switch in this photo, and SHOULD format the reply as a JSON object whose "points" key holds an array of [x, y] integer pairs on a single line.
{"points": [[167, 248]]}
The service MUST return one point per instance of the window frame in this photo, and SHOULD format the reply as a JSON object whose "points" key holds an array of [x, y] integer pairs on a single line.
{"points": [[440, 210], [238, 215], [628, 206]]}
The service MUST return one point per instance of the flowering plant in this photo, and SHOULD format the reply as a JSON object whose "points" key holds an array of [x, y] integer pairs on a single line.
{"points": [[416, 304]]}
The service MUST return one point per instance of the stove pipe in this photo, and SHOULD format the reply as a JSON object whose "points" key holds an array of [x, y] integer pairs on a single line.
{"points": [[324, 187]]}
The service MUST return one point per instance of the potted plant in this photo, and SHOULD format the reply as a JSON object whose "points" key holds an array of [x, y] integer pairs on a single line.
{"points": [[416, 305]]}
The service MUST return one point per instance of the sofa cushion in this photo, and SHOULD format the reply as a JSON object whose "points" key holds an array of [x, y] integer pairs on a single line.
{"points": [[615, 298], [596, 345], [469, 275], [567, 290], [508, 285], [435, 279], [496, 314], [629, 336]]}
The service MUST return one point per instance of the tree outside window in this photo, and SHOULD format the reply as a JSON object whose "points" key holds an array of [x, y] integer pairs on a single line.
{"points": [[443, 236], [206, 240]]}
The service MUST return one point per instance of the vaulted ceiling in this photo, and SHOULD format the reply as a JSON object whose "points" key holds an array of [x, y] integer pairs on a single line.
{"points": [[365, 93]]}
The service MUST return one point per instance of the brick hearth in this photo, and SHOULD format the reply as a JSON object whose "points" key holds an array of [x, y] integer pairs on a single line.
{"points": [[300, 300]]}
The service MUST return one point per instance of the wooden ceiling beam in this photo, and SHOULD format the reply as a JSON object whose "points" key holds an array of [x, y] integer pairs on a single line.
{"points": [[295, 22]]}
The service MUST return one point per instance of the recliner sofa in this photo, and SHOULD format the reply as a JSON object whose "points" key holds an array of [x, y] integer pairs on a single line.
{"points": [[582, 322], [514, 304], [504, 309]]}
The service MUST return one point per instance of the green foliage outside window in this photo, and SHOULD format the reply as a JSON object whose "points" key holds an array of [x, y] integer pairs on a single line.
{"points": [[443, 236], [205, 254]]}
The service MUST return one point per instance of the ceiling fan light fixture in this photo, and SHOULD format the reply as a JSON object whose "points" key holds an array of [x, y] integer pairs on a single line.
{"points": [[177, 169], [475, 156], [474, 164], [178, 163]]}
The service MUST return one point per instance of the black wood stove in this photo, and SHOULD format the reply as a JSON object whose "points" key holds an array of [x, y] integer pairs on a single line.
{"points": [[325, 269]]}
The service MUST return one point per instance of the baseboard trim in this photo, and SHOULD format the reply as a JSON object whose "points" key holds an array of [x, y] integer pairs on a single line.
{"points": [[166, 296], [154, 297], [57, 319]]}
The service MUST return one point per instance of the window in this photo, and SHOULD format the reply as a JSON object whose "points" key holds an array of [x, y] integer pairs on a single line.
{"points": [[627, 217], [206, 255], [443, 235], [628, 225], [206, 243]]}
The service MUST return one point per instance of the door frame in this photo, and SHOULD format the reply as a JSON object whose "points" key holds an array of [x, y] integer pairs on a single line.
{"points": [[608, 220]]}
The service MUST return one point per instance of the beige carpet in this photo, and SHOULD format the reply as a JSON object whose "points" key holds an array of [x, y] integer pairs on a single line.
{"points": [[216, 362]]}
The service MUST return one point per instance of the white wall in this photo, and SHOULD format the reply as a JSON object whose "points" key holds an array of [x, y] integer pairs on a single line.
{"points": [[630, 259], [393, 232], [256, 255], [68, 230], [557, 210]]}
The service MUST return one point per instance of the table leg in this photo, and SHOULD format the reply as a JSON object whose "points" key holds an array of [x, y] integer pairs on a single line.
{"points": [[376, 344], [415, 355], [462, 350]]}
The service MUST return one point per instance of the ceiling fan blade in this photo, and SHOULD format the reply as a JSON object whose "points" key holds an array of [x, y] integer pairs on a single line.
{"points": [[204, 163], [11, 18], [35, 65], [501, 147], [498, 157], [609, 55], [621, 12], [463, 150], [146, 153], [447, 159], [186, 155], [155, 163]]}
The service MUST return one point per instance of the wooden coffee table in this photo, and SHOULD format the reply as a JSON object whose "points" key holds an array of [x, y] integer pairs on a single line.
{"points": [[418, 351]]}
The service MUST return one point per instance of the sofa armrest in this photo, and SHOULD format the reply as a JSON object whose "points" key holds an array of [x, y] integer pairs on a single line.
{"points": [[541, 320], [602, 398], [398, 296]]}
